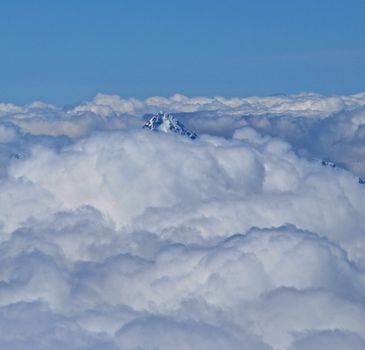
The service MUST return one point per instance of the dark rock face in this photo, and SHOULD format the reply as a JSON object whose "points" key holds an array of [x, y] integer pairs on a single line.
{"points": [[327, 163]]}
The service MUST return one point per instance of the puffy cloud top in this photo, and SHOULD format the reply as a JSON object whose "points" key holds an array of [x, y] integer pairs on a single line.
{"points": [[116, 237]]}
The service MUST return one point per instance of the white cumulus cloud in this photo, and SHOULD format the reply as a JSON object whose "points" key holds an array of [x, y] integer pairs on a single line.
{"points": [[116, 237]]}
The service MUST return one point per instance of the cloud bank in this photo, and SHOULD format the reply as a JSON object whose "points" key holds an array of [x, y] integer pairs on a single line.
{"points": [[116, 237]]}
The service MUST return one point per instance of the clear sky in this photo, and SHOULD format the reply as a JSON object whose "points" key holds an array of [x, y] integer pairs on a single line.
{"points": [[67, 51]]}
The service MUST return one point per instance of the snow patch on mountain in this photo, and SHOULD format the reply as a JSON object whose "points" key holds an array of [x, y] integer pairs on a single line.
{"points": [[167, 123]]}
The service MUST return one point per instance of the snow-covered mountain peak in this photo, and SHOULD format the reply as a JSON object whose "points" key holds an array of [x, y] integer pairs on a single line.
{"points": [[165, 122]]}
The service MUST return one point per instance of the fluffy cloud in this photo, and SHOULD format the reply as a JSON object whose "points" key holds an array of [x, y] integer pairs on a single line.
{"points": [[298, 105], [115, 237]]}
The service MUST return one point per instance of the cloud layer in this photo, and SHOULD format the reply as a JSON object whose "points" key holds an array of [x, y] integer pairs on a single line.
{"points": [[115, 237]]}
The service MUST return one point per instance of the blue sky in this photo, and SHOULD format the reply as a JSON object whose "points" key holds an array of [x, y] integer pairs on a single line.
{"points": [[67, 51]]}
